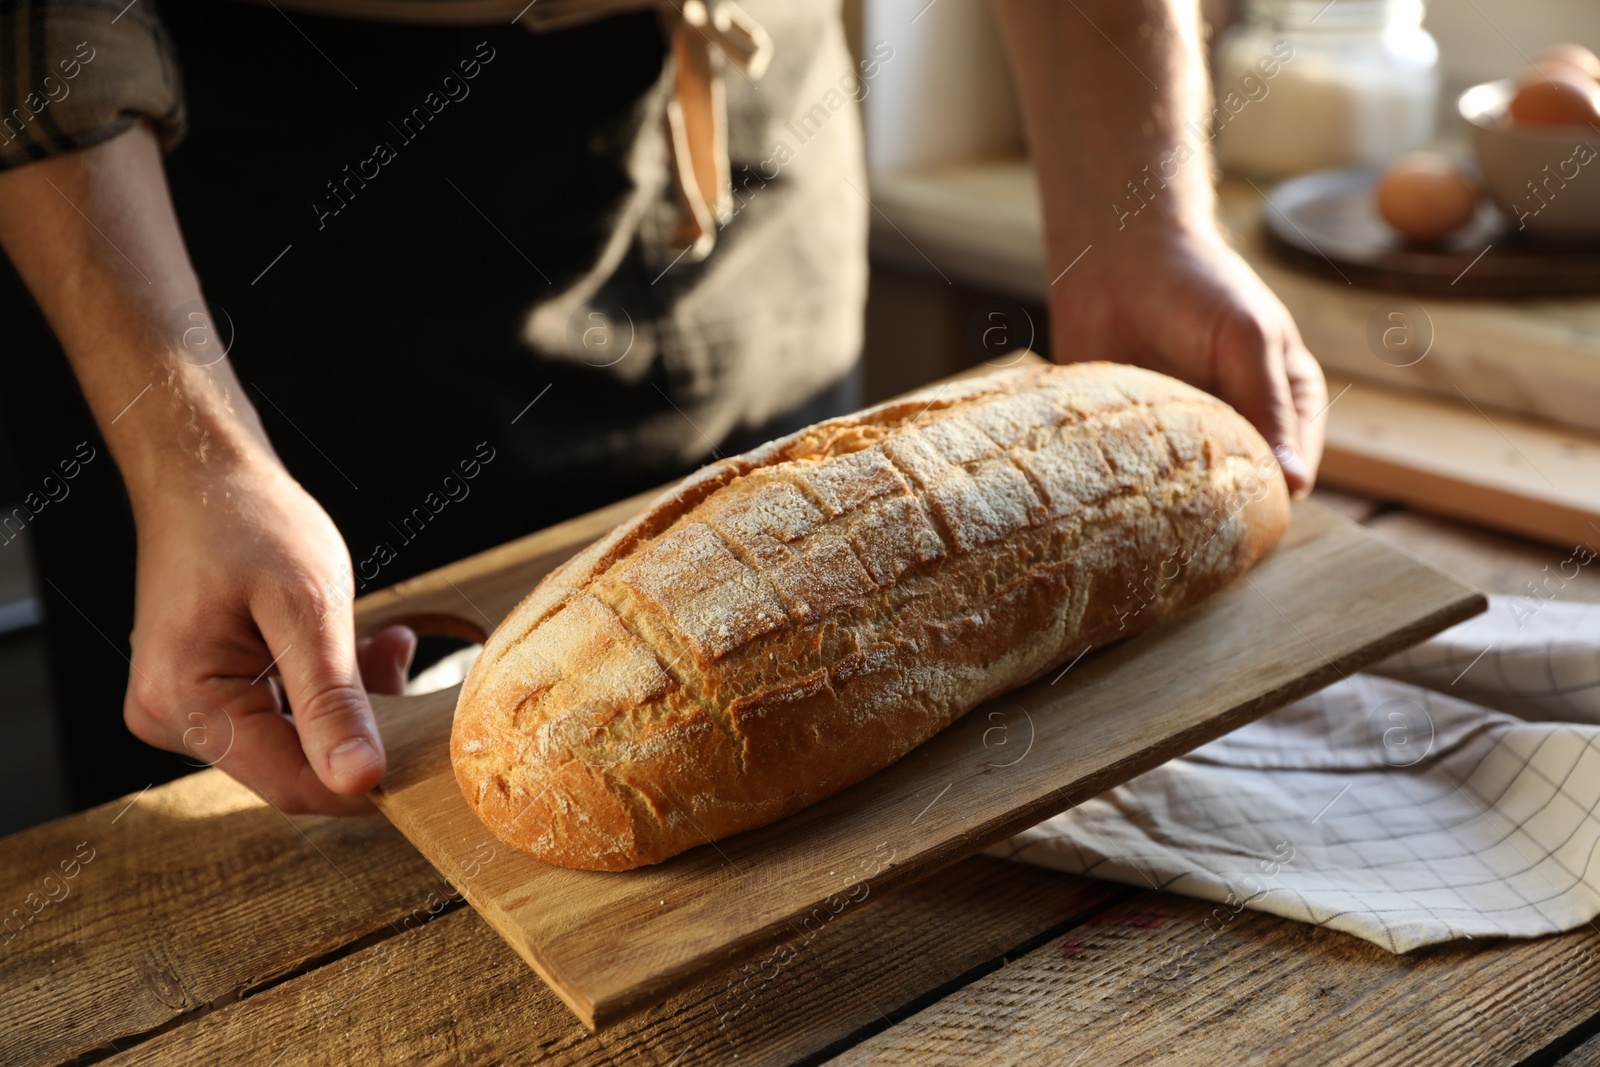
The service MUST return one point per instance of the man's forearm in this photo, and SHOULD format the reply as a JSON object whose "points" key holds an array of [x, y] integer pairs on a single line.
{"points": [[1108, 88], [93, 235]]}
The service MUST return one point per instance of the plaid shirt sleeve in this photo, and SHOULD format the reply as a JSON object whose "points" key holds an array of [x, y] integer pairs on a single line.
{"points": [[74, 73]]}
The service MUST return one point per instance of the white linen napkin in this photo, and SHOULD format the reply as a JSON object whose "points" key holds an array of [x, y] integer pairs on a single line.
{"points": [[1410, 805]]}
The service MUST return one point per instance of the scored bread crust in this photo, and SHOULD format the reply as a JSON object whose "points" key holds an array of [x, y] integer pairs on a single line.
{"points": [[783, 623]]}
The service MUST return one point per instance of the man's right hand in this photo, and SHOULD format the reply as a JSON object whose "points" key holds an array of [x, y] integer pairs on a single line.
{"points": [[243, 583], [243, 598]]}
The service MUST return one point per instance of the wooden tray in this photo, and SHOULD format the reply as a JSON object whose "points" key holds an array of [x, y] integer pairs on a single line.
{"points": [[1326, 223], [1328, 600]]}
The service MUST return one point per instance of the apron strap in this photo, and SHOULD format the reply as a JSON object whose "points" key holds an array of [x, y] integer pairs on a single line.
{"points": [[706, 35]]}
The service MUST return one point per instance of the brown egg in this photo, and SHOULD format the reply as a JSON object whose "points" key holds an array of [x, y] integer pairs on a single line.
{"points": [[1426, 195], [1574, 55], [1559, 99]]}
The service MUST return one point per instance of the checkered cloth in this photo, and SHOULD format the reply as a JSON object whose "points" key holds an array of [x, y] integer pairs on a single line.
{"points": [[1449, 792]]}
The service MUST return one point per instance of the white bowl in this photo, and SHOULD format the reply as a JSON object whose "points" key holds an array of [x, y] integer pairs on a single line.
{"points": [[1545, 178]]}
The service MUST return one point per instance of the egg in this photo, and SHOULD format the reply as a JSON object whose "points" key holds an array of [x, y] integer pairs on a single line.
{"points": [[1558, 99], [1425, 195], [1574, 55]]}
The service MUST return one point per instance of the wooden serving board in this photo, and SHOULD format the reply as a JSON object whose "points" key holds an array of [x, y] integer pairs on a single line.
{"points": [[1328, 600]]}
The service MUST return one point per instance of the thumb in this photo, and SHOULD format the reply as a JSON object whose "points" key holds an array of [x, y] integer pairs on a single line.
{"points": [[316, 664]]}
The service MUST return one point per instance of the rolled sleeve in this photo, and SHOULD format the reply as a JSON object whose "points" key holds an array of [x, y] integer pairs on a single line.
{"points": [[74, 73]]}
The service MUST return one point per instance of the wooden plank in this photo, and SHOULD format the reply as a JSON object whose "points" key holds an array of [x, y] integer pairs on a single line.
{"points": [[190, 894], [1161, 978], [454, 992], [1447, 457], [1353, 507], [1585, 1055], [615, 943], [1494, 562]]}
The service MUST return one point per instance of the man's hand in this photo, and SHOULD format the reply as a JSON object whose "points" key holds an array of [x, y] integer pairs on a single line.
{"points": [[243, 585], [244, 590], [1114, 93], [1186, 305]]}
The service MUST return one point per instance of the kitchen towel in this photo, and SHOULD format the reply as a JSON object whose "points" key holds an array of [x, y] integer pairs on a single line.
{"points": [[1448, 792]]}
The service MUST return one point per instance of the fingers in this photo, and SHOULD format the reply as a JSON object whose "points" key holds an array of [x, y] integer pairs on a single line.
{"points": [[1253, 377], [314, 649], [235, 724], [1310, 391], [385, 659], [266, 754]]}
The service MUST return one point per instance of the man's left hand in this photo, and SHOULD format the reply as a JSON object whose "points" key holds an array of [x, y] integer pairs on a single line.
{"points": [[1185, 304]]}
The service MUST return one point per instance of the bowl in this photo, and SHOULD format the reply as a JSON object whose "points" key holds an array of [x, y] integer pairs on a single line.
{"points": [[1545, 178]]}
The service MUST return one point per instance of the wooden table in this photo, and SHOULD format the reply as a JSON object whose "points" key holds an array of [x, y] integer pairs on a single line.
{"points": [[207, 928]]}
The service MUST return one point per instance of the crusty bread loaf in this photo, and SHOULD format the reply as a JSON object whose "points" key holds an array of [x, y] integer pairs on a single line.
{"points": [[786, 622]]}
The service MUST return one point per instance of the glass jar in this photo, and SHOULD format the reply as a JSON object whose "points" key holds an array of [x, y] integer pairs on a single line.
{"points": [[1306, 84]]}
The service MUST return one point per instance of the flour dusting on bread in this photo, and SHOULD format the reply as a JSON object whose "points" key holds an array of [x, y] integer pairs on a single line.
{"points": [[786, 622]]}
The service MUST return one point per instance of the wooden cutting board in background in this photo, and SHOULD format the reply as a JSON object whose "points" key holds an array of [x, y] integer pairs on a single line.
{"points": [[1329, 599]]}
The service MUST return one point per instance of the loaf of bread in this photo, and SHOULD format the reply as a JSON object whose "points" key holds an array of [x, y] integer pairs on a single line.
{"points": [[784, 623]]}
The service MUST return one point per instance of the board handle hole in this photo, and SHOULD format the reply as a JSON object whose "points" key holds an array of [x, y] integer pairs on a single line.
{"points": [[446, 647]]}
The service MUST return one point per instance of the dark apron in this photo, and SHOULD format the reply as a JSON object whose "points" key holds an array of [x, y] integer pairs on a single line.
{"points": [[373, 229]]}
